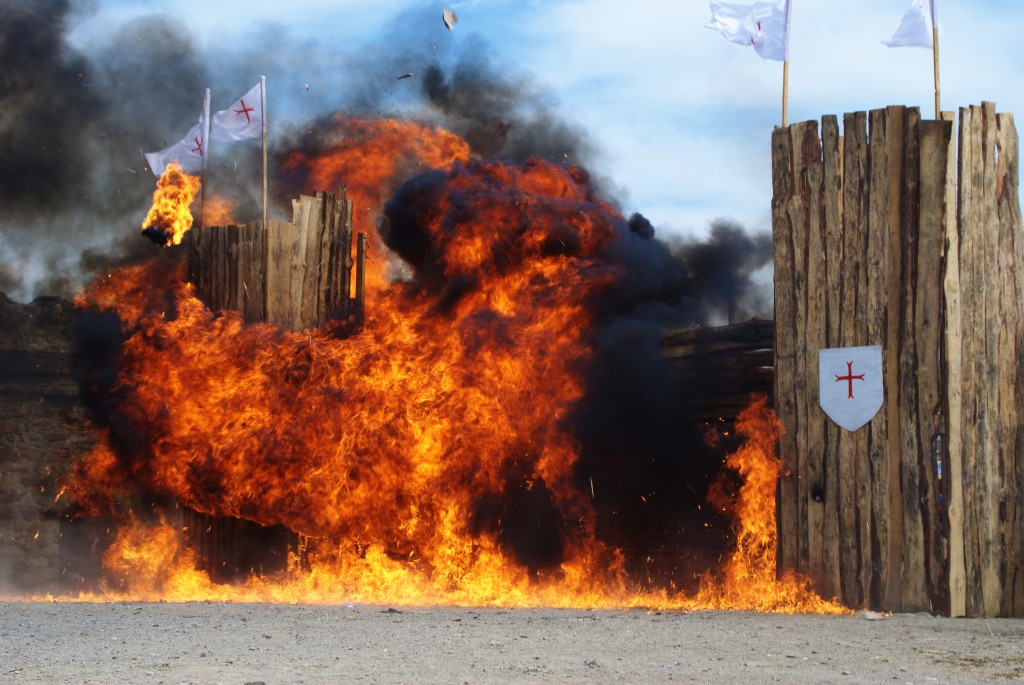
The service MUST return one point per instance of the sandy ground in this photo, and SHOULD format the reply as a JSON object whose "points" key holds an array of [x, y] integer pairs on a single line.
{"points": [[263, 643]]}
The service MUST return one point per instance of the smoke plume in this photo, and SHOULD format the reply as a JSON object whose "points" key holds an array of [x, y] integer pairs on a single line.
{"points": [[74, 185]]}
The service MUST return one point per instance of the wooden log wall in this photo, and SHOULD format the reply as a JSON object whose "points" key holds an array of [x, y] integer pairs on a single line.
{"points": [[990, 459], [231, 550], [721, 366], [877, 244], [297, 275]]}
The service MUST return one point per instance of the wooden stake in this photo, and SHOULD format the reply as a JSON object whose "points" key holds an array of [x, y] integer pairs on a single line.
{"points": [[935, 54], [785, 64], [362, 248]]}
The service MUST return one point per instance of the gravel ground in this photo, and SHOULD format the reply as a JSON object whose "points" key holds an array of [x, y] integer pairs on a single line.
{"points": [[54, 643]]}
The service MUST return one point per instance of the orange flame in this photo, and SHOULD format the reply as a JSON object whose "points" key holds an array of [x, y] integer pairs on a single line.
{"points": [[371, 158], [747, 580], [147, 562], [400, 455], [218, 211], [170, 213]]}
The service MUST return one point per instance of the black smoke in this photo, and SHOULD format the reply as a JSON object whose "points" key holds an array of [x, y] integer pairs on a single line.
{"points": [[78, 116], [643, 455], [73, 184], [641, 448], [50, 112]]}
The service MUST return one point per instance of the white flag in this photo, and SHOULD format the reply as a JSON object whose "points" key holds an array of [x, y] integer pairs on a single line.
{"points": [[915, 31], [850, 388], [763, 26], [190, 151], [243, 119]]}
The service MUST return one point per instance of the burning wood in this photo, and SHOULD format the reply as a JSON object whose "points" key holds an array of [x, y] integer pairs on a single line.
{"points": [[429, 458], [169, 217]]}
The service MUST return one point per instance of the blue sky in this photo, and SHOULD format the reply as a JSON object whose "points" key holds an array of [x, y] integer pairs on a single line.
{"points": [[680, 116]]}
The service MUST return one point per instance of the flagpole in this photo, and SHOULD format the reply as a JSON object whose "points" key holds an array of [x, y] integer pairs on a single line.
{"points": [[263, 111], [785, 65], [935, 57], [785, 92], [206, 157]]}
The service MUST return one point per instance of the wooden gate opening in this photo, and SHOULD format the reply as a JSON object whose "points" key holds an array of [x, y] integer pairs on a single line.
{"points": [[901, 233]]}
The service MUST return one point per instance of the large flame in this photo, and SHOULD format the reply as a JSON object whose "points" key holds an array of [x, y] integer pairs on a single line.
{"points": [[169, 218], [748, 577], [401, 455], [371, 158]]}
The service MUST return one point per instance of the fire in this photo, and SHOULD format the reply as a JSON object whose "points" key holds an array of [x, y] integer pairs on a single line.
{"points": [[748, 578], [401, 454], [218, 211], [169, 218], [371, 158]]}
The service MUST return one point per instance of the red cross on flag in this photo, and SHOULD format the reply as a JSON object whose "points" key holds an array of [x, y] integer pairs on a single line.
{"points": [[850, 384], [762, 25], [190, 151], [243, 119]]}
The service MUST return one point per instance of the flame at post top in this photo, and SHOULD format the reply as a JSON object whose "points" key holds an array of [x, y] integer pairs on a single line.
{"points": [[169, 218]]}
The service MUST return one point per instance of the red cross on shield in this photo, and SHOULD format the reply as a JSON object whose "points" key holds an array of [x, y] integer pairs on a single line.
{"points": [[850, 387]]}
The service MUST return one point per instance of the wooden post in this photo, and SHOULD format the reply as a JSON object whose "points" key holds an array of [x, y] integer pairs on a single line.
{"points": [[953, 493], [1011, 387], [919, 438], [360, 301], [783, 161], [854, 482], [881, 240], [828, 580], [785, 93]]}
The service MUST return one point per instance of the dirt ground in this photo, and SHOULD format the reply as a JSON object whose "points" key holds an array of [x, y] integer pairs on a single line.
{"points": [[42, 642]]}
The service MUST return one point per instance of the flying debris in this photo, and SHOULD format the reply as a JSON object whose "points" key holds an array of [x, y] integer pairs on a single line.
{"points": [[449, 18], [407, 74]]}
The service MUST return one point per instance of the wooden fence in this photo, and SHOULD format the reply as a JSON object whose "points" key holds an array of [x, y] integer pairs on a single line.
{"points": [[901, 234], [297, 275]]}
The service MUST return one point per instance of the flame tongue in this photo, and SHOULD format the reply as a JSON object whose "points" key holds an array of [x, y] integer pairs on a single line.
{"points": [[169, 218], [371, 158]]}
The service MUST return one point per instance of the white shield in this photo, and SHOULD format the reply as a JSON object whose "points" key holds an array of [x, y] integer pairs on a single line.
{"points": [[850, 384]]}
